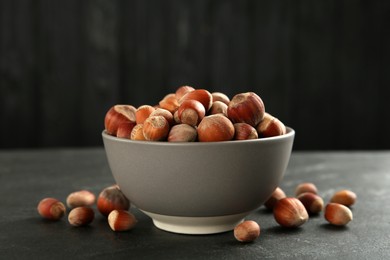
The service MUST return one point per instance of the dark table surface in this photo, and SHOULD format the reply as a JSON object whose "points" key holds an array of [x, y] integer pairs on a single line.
{"points": [[27, 176]]}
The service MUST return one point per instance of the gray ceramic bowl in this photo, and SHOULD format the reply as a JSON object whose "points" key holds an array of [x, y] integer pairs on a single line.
{"points": [[198, 188]]}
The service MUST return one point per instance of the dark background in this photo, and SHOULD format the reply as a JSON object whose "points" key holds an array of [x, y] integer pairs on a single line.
{"points": [[322, 67]]}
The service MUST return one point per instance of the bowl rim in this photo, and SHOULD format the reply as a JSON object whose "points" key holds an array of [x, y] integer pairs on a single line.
{"points": [[290, 132]]}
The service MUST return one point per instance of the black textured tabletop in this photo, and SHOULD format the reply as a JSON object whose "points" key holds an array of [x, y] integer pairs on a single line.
{"points": [[27, 176]]}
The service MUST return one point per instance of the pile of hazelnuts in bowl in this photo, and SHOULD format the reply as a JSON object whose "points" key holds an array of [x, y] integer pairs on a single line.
{"points": [[191, 114]]}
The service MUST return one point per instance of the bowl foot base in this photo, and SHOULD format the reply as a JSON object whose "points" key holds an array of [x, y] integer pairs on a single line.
{"points": [[196, 225]]}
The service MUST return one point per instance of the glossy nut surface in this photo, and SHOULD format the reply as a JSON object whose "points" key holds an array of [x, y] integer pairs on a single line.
{"points": [[51, 208], [80, 198], [246, 108], [156, 128], [191, 112], [215, 128], [338, 214], [345, 197], [81, 216], [117, 115], [247, 231], [112, 198], [290, 212]]}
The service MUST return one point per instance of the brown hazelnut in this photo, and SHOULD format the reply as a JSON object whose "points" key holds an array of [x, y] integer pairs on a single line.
{"points": [[142, 113], [201, 95], [246, 108], [80, 198], [155, 128], [51, 208], [121, 220], [137, 133], [244, 131], [313, 203], [219, 96], [290, 212], [169, 102], [182, 133], [112, 198], [215, 128], [181, 91], [247, 231], [306, 187], [345, 197], [191, 112], [218, 107], [338, 214], [276, 195], [270, 126], [117, 115], [81, 216]]}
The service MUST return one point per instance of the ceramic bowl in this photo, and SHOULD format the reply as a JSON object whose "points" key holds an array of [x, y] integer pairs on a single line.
{"points": [[198, 188]]}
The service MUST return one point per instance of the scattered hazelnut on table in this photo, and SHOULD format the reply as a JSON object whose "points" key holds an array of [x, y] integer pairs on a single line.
{"points": [[313, 203], [290, 212], [51, 208], [276, 195], [247, 231], [345, 197], [81, 216], [112, 198], [338, 214], [121, 220], [80, 198], [306, 187]]}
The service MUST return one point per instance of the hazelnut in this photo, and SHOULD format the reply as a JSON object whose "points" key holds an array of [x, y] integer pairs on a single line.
{"points": [[244, 131], [306, 187], [81, 216], [338, 214], [312, 202], [121, 220], [182, 133], [276, 195], [51, 208], [181, 91], [112, 198], [137, 133], [218, 107], [124, 130], [117, 115], [215, 128], [156, 128], [247, 231], [165, 113], [169, 102], [191, 112], [345, 197], [142, 113], [219, 96], [246, 108], [80, 198], [201, 95], [270, 126], [290, 212]]}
